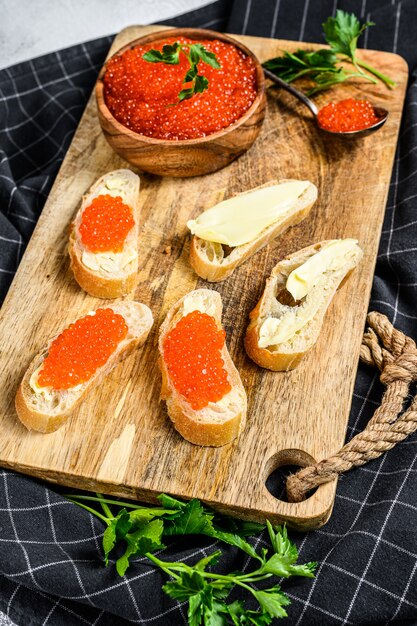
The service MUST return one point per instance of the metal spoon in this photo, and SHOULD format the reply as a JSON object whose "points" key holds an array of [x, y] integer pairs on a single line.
{"points": [[380, 112]]}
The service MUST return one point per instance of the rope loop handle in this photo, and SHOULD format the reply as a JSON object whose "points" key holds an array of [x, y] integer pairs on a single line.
{"points": [[395, 355]]}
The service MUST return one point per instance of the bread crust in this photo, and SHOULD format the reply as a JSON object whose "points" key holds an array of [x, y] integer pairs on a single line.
{"points": [[43, 422], [216, 271], [90, 280], [199, 427], [283, 358]]}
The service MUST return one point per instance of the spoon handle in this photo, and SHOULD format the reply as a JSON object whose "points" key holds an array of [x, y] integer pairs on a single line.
{"points": [[298, 94]]}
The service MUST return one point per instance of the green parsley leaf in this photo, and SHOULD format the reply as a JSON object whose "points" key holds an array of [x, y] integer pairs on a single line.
{"points": [[215, 616], [343, 31], [191, 74], [240, 615], [188, 584], [256, 618], [208, 561], [194, 53], [195, 610], [235, 611], [168, 502], [279, 567], [323, 67], [324, 80], [235, 540], [154, 56], [193, 520], [145, 540], [170, 54], [272, 601], [141, 528], [202, 53], [201, 84], [293, 65], [282, 563], [116, 530], [142, 516], [281, 544]]}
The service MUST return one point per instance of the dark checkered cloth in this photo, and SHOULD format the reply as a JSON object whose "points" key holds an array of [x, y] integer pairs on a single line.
{"points": [[51, 568]]}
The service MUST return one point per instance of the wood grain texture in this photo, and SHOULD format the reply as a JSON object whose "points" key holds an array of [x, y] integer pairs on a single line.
{"points": [[193, 157], [121, 441]]}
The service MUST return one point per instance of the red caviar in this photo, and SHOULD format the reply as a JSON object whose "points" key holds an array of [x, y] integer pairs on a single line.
{"points": [[138, 93], [347, 115], [192, 354], [105, 224], [77, 353]]}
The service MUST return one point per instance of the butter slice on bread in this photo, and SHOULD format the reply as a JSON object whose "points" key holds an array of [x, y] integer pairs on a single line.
{"points": [[46, 409], [108, 274], [215, 260], [219, 422], [288, 318]]}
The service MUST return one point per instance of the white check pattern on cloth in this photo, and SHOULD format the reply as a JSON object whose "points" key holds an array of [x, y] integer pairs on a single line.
{"points": [[51, 570]]}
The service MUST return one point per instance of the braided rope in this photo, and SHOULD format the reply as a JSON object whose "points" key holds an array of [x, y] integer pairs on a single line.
{"points": [[396, 358]]}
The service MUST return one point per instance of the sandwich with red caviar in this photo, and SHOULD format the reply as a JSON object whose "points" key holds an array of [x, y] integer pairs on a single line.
{"points": [[205, 397], [103, 243], [78, 359]]}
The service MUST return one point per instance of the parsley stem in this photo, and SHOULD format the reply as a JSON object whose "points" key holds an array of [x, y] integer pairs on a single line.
{"points": [[165, 565], [93, 511], [388, 81], [305, 72], [362, 73], [125, 505], [238, 580], [104, 505], [169, 568]]}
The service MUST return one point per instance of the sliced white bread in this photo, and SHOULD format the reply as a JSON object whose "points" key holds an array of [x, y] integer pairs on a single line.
{"points": [[219, 422], [108, 274], [307, 314], [215, 262], [47, 411]]}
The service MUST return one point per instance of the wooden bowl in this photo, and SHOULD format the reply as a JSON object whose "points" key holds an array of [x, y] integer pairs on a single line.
{"points": [[190, 157]]}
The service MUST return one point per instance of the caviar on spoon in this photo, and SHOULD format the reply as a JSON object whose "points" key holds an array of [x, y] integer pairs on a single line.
{"points": [[354, 118]]}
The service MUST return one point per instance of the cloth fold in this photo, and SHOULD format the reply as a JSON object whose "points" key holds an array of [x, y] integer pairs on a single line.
{"points": [[51, 569]]}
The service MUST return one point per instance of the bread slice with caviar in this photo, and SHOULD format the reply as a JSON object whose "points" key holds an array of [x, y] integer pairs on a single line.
{"points": [[103, 241], [192, 349], [45, 408], [287, 320], [229, 233]]}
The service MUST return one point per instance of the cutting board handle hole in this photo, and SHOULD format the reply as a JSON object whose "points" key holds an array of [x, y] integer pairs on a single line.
{"points": [[280, 466]]}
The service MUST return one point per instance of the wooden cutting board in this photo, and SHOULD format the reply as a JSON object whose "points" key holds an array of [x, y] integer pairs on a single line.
{"points": [[121, 441]]}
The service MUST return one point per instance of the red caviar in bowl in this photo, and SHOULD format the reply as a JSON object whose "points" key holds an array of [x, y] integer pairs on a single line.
{"points": [[77, 353], [105, 224], [347, 115], [192, 354], [143, 96]]}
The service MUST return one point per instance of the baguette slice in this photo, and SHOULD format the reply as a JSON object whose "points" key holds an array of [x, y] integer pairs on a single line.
{"points": [[218, 423], [46, 414], [105, 276], [215, 262], [278, 303]]}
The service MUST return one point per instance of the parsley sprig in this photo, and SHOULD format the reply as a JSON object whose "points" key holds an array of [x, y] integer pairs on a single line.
{"points": [[323, 67], [195, 53], [141, 530]]}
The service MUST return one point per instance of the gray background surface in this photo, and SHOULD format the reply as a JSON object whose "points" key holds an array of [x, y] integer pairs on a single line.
{"points": [[29, 28]]}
